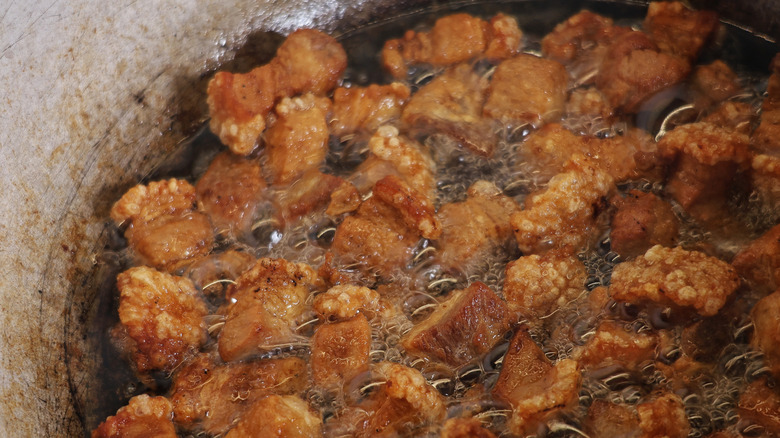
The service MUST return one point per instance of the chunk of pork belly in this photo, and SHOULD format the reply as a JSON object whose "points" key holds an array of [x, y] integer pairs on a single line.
{"points": [[297, 141], [588, 105], [230, 191], [462, 328], [417, 212], [345, 301], [634, 69], [367, 108], [759, 261], [474, 229], [705, 160], [227, 265], [606, 420], [565, 214], [393, 154], [279, 416], [340, 351], [678, 30], [527, 89], [453, 39], [451, 104], [164, 230], [664, 415], [212, 396], [738, 116], [465, 428], [614, 344], [642, 220], [539, 285], [765, 180], [143, 417], [313, 191], [714, 82], [760, 404], [535, 388], [265, 302], [577, 37], [307, 61], [675, 276], [766, 334], [163, 315]]}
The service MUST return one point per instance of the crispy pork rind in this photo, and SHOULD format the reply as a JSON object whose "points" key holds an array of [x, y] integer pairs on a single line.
{"points": [[163, 315], [465, 428], [731, 114], [674, 276], [307, 61], [612, 344], [713, 83], [144, 416], [282, 416], [577, 37], [759, 262], [453, 39], [213, 396], [417, 212], [537, 285], [340, 351], [265, 304], [365, 109], [564, 215], [678, 30], [766, 334], [452, 105], [343, 301], [409, 385], [144, 203], [665, 416], [642, 220], [462, 328], [527, 90]]}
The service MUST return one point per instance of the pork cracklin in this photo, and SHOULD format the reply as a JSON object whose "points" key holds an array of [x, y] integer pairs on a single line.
{"points": [[510, 234]]}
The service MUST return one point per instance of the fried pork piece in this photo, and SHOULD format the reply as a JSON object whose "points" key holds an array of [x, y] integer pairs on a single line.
{"points": [[344, 301], [606, 420], [539, 285], [588, 104], [297, 141], [705, 158], [163, 315], [367, 108], [535, 388], [474, 229], [759, 262], [311, 192], [578, 37], [765, 179], [462, 328], [613, 344], [164, 230], [143, 417], [738, 116], [675, 276], [678, 30], [452, 104], [339, 351], [453, 39], [714, 82], [226, 265], [766, 334], [759, 404], [465, 428], [281, 416], [565, 214], [212, 396], [664, 416], [265, 302], [642, 220], [527, 89], [307, 61], [417, 212], [634, 69], [230, 191]]}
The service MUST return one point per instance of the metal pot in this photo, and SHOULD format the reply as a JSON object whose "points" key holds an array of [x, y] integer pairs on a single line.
{"points": [[94, 95]]}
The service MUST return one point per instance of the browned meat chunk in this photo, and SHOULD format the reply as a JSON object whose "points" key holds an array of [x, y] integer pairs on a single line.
{"points": [[163, 315], [607, 420], [564, 215], [213, 396], [678, 30], [705, 160], [339, 351], [633, 70], [642, 220], [345, 301], [766, 335], [265, 302], [535, 388], [663, 416], [311, 192], [613, 344], [143, 417], [759, 262], [451, 104], [453, 39], [367, 108], [164, 230], [577, 37], [588, 105], [474, 229], [307, 61], [298, 140], [465, 428], [230, 191], [539, 285], [713, 83], [738, 116], [278, 416], [760, 405], [464, 327], [207, 272], [527, 89], [674, 276], [417, 212]]}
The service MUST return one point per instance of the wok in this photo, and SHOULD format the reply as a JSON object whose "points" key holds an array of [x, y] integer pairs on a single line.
{"points": [[94, 95]]}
